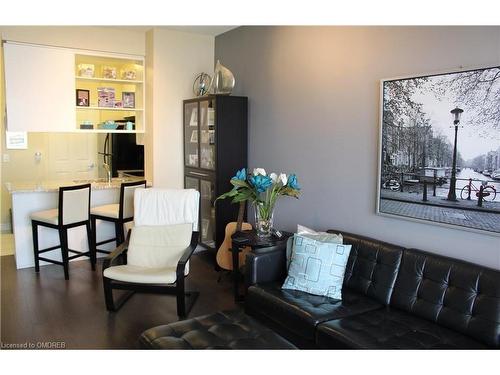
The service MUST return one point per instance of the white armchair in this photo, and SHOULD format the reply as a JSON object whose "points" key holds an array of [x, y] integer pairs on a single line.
{"points": [[155, 256]]}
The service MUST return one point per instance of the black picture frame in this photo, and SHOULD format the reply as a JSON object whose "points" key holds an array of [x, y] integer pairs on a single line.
{"points": [[437, 166], [82, 98], [128, 99]]}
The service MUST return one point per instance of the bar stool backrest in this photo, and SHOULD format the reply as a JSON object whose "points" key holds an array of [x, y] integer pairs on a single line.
{"points": [[74, 204], [127, 198]]}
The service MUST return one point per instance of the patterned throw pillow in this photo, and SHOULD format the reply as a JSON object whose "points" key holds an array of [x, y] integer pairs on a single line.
{"points": [[317, 267], [311, 233]]}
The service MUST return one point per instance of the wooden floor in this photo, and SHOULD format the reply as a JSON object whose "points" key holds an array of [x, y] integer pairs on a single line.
{"points": [[45, 308]]}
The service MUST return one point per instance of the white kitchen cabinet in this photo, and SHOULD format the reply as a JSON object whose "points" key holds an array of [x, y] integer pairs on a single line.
{"points": [[40, 87]]}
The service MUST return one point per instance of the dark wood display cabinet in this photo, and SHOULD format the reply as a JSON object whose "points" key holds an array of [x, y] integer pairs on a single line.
{"points": [[215, 147]]}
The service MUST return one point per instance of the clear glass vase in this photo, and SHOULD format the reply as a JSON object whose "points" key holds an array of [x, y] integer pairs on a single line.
{"points": [[263, 219]]}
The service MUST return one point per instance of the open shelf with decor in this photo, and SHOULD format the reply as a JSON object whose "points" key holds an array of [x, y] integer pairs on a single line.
{"points": [[109, 93]]}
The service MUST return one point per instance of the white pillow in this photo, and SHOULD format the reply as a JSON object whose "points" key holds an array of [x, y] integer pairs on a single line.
{"points": [[301, 229], [313, 235]]}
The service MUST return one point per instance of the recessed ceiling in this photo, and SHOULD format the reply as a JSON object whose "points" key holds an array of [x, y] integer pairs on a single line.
{"points": [[205, 30]]}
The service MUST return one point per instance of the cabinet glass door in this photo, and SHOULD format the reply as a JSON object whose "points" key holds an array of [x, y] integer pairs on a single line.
{"points": [[192, 183], [207, 134], [207, 212], [191, 130]]}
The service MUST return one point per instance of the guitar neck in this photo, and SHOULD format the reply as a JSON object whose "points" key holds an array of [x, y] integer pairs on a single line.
{"points": [[241, 212]]}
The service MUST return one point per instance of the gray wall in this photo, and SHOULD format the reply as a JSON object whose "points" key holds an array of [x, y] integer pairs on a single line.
{"points": [[313, 110]]}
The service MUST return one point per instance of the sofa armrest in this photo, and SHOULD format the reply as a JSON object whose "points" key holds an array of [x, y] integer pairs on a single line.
{"points": [[266, 265]]}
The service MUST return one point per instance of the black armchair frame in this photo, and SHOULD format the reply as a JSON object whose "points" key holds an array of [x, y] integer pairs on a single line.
{"points": [[185, 300]]}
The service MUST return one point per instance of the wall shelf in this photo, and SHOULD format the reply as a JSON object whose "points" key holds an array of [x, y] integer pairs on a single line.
{"points": [[99, 87], [95, 79], [107, 131], [93, 108]]}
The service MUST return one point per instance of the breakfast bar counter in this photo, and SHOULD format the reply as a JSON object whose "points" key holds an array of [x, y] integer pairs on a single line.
{"points": [[32, 197]]}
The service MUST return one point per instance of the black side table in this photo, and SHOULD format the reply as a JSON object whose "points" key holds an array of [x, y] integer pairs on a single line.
{"points": [[249, 238]]}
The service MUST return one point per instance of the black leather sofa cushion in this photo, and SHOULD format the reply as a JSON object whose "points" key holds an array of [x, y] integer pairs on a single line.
{"points": [[222, 330], [372, 267], [390, 329], [455, 294], [300, 312]]}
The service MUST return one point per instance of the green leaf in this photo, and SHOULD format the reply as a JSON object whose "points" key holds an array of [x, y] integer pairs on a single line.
{"points": [[239, 183], [229, 194], [290, 192], [242, 196]]}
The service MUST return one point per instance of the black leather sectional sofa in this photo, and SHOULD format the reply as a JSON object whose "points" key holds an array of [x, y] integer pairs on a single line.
{"points": [[393, 298]]}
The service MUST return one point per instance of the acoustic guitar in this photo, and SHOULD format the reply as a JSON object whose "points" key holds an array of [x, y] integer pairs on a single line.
{"points": [[224, 255]]}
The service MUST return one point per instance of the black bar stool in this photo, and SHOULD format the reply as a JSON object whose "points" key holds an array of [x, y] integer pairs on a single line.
{"points": [[118, 213], [73, 211]]}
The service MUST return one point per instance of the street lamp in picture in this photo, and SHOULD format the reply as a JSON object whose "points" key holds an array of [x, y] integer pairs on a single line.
{"points": [[457, 113]]}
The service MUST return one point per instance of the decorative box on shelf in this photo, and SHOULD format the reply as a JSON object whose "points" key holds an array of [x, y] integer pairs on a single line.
{"points": [[106, 97], [109, 72], [86, 125], [86, 70], [110, 125], [128, 72]]}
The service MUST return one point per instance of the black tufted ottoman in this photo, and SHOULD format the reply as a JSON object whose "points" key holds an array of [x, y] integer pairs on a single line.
{"points": [[222, 330]]}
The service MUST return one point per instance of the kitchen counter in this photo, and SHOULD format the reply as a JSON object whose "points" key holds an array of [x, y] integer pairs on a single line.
{"points": [[31, 197], [53, 186]]}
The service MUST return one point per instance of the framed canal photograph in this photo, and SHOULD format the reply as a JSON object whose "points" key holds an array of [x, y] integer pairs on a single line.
{"points": [[439, 149]]}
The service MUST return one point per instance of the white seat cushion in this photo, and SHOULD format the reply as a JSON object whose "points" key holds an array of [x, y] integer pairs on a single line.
{"points": [[47, 216], [107, 210], [142, 275]]}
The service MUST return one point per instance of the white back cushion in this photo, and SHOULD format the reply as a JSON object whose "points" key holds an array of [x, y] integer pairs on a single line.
{"points": [[159, 245], [75, 206], [128, 200], [156, 206]]}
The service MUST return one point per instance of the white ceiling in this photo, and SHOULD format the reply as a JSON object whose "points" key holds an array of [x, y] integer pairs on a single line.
{"points": [[205, 30]]}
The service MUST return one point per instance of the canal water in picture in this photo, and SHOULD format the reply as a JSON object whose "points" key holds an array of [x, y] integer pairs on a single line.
{"points": [[440, 148]]}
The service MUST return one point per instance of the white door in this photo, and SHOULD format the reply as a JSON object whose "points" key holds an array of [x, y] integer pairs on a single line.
{"points": [[72, 156], [38, 83]]}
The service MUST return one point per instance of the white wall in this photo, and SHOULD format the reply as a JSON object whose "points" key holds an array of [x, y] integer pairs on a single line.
{"points": [[313, 110], [177, 57]]}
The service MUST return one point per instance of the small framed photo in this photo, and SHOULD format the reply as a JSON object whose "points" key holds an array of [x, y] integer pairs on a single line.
{"points": [[205, 223], [82, 98], [106, 97], [194, 136], [193, 121], [193, 159], [128, 99]]}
